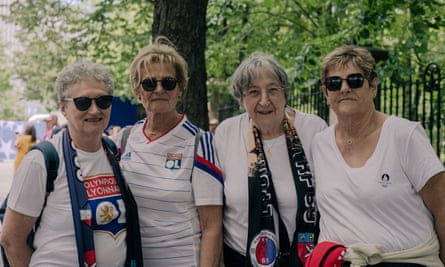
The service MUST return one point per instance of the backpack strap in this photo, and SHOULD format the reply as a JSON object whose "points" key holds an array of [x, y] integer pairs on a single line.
{"points": [[197, 137], [110, 145], [51, 159], [51, 162], [125, 133]]}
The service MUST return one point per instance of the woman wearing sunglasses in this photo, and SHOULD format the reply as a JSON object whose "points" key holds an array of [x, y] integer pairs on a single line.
{"points": [[88, 217], [177, 186], [379, 184], [265, 157]]}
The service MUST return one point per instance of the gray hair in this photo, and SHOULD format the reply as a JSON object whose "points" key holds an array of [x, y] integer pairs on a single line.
{"points": [[80, 71], [247, 73]]}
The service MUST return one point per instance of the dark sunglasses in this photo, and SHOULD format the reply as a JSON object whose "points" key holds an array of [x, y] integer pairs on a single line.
{"points": [[84, 103], [354, 81], [167, 83]]}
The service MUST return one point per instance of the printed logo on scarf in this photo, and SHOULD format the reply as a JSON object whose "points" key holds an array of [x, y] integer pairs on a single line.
{"points": [[264, 249], [106, 204]]}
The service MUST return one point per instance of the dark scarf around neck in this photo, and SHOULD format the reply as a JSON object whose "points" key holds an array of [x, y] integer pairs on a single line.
{"points": [[264, 247]]}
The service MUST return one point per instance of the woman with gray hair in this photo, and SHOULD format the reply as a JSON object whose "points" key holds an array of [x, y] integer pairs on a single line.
{"points": [[88, 217], [269, 212]]}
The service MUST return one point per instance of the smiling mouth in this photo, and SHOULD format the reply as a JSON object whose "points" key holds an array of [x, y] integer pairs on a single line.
{"points": [[94, 119], [265, 112]]}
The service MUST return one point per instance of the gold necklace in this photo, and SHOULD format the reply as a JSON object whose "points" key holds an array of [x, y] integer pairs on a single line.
{"points": [[269, 147], [350, 140]]}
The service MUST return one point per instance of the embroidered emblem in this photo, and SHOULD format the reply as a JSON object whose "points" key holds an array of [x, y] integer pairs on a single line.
{"points": [[105, 213], [173, 161], [305, 244], [385, 180], [264, 249], [106, 204]]}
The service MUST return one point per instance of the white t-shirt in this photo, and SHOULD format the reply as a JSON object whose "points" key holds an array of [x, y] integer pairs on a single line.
{"points": [[231, 141], [378, 203], [158, 173], [55, 240]]}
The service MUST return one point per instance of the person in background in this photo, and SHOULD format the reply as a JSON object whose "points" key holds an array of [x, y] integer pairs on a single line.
{"points": [[213, 123], [113, 131], [51, 125], [90, 218], [265, 158], [24, 142], [379, 184], [179, 194]]}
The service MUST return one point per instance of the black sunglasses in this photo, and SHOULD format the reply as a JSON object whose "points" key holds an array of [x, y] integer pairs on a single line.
{"points": [[354, 81], [168, 83], [84, 103]]}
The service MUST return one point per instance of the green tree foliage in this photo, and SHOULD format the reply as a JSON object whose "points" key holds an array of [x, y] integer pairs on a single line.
{"points": [[184, 23], [297, 33], [43, 45], [8, 107], [112, 32]]}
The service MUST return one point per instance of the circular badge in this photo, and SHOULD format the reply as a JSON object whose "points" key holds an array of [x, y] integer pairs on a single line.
{"points": [[264, 249]]}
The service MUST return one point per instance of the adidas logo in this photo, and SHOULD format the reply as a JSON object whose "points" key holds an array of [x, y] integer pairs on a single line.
{"points": [[127, 156]]}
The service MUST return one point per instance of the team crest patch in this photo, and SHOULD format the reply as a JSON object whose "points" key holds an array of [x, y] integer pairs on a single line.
{"points": [[305, 244], [173, 161], [264, 249]]}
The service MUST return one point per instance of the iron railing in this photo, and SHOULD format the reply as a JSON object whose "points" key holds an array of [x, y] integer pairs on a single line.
{"points": [[418, 100]]}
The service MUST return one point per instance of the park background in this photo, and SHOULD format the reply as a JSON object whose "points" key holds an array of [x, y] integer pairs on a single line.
{"points": [[214, 36]]}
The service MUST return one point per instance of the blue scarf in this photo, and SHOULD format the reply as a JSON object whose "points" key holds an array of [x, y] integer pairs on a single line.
{"points": [[82, 213]]}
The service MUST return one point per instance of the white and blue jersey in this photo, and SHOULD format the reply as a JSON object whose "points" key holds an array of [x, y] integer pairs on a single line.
{"points": [[159, 173]]}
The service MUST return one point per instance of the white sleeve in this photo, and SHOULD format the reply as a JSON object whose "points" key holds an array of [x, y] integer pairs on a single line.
{"points": [[207, 179], [28, 188]]}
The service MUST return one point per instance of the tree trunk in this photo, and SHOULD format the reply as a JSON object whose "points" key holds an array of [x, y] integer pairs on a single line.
{"points": [[184, 23]]}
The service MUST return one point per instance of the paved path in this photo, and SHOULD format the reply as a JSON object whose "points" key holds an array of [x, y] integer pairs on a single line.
{"points": [[6, 173]]}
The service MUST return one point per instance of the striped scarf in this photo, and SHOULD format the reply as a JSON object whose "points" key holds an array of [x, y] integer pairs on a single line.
{"points": [[264, 247]]}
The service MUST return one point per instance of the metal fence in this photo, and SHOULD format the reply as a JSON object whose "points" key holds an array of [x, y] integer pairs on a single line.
{"points": [[416, 100]]}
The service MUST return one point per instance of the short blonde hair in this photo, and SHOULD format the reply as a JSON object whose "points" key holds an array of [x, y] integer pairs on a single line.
{"points": [[160, 51], [359, 56]]}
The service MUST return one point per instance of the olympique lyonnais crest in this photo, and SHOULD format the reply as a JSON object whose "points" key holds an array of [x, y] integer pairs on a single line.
{"points": [[264, 249], [173, 161]]}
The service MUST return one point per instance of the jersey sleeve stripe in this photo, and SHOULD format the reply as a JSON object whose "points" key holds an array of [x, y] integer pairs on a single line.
{"points": [[209, 168]]}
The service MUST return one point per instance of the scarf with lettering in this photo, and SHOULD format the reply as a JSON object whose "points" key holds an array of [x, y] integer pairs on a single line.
{"points": [[82, 212], [264, 247]]}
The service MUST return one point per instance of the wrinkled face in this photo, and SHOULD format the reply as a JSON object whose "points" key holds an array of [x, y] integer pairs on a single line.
{"points": [[349, 98], [94, 119], [161, 93], [265, 100]]}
